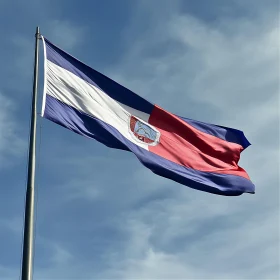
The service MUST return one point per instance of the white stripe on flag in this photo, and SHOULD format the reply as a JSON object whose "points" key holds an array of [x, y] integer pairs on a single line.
{"points": [[85, 97]]}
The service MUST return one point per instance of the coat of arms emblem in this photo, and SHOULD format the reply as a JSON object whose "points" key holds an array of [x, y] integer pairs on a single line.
{"points": [[143, 132]]}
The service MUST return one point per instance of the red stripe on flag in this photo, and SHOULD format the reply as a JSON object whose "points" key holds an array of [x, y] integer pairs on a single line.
{"points": [[185, 145]]}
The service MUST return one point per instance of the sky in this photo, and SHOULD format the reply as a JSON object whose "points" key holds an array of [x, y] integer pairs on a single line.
{"points": [[100, 214]]}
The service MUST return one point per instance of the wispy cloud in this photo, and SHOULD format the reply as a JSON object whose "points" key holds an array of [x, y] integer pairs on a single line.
{"points": [[64, 33], [11, 145]]}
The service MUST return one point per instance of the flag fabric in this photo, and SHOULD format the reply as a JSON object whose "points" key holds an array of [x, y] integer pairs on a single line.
{"points": [[196, 154]]}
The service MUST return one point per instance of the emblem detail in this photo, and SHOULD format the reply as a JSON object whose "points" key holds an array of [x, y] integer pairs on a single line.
{"points": [[143, 132]]}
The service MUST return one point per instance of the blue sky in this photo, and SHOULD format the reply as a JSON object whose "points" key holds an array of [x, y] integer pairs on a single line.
{"points": [[100, 213]]}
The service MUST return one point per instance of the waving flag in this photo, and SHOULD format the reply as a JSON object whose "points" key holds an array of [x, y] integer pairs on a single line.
{"points": [[196, 154]]}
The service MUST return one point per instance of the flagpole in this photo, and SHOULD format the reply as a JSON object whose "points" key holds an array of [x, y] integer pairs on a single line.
{"points": [[28, 242]]}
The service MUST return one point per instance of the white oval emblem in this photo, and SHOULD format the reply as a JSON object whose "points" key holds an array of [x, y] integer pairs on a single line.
{"points": [[143, 132]]}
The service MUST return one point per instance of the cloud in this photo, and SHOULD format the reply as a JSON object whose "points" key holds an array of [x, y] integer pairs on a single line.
{"points": [[216, 254], [11, 145], [64, 33]]}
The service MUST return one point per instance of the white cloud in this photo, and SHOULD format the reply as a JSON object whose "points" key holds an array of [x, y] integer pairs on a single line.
{"points": [[60, 255], [221, 254], [64, 33], [10, 142]]}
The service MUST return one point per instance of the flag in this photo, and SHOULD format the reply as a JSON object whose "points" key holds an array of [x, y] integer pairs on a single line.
{"points": [[199, 155]]}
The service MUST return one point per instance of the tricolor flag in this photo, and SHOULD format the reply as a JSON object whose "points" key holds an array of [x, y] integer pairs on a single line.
{"points": [[196, 154]]}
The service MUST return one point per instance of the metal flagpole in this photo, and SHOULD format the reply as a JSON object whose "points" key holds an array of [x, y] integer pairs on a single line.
{"points": [[27, 255]]}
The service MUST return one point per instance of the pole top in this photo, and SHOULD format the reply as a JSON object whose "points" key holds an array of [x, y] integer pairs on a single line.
{"points": [[37, 34]]}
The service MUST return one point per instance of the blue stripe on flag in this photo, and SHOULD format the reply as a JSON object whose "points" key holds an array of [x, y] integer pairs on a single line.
{"points": [[229, 134], [91, 127], [110, 87]]}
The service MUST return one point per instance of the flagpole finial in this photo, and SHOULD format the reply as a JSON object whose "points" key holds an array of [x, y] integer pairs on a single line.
{"points": [[37, 34]]}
